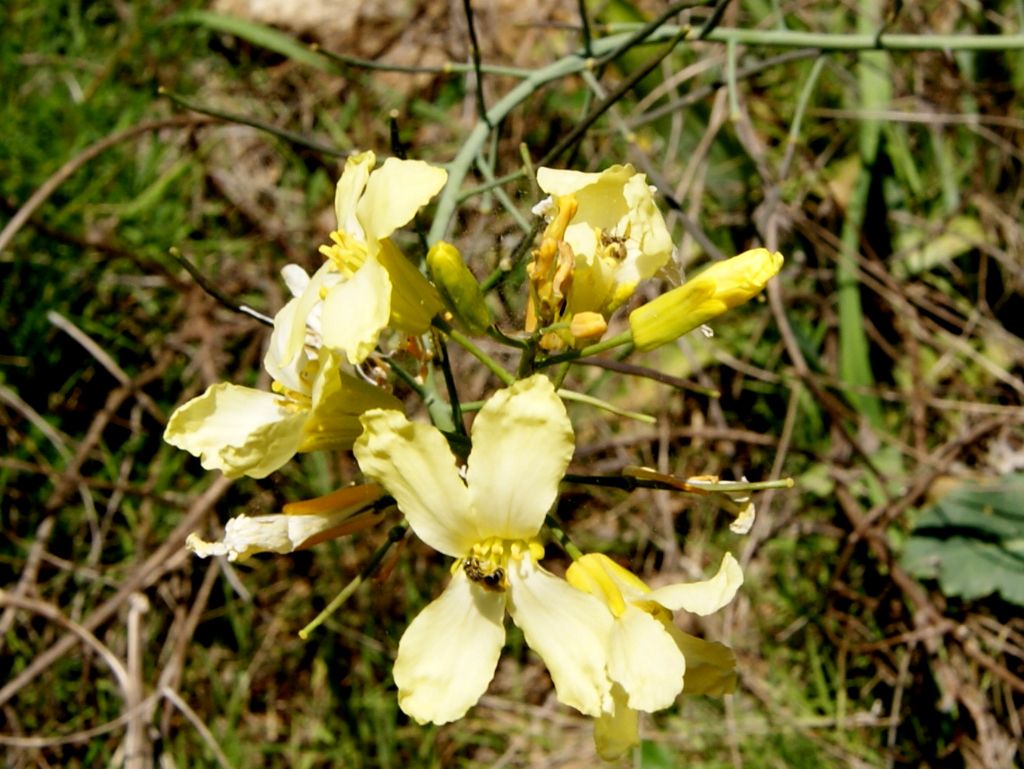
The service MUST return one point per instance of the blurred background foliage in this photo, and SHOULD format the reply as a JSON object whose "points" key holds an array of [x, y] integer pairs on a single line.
{"points": [[880, 624]]}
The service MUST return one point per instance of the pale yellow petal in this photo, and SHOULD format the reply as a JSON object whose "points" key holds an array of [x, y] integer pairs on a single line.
{"points": [[644, 659], [338, 400], [616, 732], [568, 629], [238, 430], [448, 655], [557, 181], [522, 444], [349, 190], [710, 666], [296, 278], [355, 311], [281, 362], [599, 575], [394, 193], [702, 597], [649, 242], [414, 301], [308, 311], [413, 462]]}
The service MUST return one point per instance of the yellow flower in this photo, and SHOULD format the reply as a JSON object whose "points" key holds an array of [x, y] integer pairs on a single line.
{"points": [[489, 522], [313, 406], [300, 525], [650, 661], [605, 235], [720, 287], [366, 284]]}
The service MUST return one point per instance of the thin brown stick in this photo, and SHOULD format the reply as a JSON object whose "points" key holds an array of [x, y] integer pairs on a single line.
{"points": [[52, 613], [154, 567], [85, 735], [197, 722]]}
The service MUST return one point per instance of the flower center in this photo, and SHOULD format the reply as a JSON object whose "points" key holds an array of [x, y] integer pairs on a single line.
{"points": [[487, 562], [346, 253]]}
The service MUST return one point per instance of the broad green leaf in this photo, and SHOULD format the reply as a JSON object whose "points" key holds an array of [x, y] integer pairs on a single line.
{"points": [[972, 541], [995, 510], [968, 568]]}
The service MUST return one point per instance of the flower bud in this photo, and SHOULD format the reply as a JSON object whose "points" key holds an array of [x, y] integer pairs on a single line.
{"points": [[721, 287], [459, 289]]}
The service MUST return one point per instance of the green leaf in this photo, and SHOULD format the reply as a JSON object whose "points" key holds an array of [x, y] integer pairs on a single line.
{"points": [[968, 568], [972, 541], [257, 34], [993, 509]]}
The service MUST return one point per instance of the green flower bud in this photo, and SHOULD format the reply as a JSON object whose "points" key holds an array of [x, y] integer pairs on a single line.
{"points": [[458, 288], [721, 287]]}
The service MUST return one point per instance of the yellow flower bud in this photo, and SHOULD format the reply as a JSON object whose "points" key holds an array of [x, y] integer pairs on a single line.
{"points": [[586, 326], [719, 288], [459, 289]]}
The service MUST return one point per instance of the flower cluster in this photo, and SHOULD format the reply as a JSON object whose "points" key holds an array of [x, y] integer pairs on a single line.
{"points": [[607, 638]]}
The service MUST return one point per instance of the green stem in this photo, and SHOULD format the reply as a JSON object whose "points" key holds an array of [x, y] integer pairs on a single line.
{"points": [[572, 395], [626, 337], [474, 44], [498, 335], [435, 404], [232, 117], [518, 254], [562, 538], [830, 41], [492, 365], [448, 68], [561, 374], [629, 483], [395, 535], [449, 383], [507, 203], [215, 292], [528, 358], [471, 147]]}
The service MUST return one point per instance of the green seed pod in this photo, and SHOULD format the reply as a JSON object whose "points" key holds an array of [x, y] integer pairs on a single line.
{"points": [[459, 289]]}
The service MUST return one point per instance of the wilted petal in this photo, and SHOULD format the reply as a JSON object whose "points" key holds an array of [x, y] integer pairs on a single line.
{"points": [[618, 731], [413, 462], [522, 444], [644, 659], [394, 193], [702, 597], [245, 535], [568, 629], [356, 310], [238, 430], [448, 655]]}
